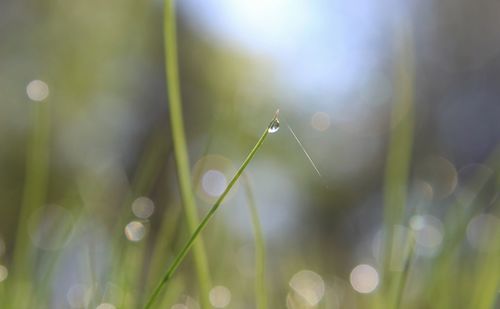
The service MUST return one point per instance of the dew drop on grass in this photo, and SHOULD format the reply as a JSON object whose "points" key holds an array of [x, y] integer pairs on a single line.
{"points": [[274, 126]]}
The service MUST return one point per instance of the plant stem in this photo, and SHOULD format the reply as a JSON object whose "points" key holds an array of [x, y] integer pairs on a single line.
{"points": [[403, 280], [260, 250], [180, 148], [182, 254], [34, 196], [400, 147]]}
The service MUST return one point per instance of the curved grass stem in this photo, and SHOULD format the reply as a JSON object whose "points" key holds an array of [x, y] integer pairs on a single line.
{"points": [[182, 254]]}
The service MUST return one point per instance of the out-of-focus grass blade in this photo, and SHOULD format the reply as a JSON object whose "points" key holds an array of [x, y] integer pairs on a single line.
{"points": [[180, 147], [260, 249], [400, 148]]}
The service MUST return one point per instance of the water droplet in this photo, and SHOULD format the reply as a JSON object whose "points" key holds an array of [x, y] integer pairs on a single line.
{"points": [[274, 126]]}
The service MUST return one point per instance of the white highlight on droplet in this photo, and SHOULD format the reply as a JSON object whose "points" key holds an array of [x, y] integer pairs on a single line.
{"points": [[320, 121], [4, 273], [309, 285], [214, 183], [364, 278], [220, 296], [179, 306], [37, 90], [274, 126], [135, 231], [143, 207], [105, 306]]}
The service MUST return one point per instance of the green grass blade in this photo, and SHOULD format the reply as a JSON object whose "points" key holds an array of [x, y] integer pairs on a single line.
{"points": [[34, 196], [182, 254], [260, 250], [180, 148], [400, 148]]}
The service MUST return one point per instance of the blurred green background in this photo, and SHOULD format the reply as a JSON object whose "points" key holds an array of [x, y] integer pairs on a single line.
{"points": [[397, 103]]}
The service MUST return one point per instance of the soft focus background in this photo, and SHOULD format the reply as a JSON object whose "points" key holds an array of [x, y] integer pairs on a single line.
{"points": [[397, 103]]}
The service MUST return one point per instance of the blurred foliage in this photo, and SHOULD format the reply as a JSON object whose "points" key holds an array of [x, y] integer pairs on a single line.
{"points": [[395, 102]]}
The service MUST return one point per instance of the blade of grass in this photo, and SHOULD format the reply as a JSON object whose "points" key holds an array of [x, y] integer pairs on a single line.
{"points": [[180, 148], [400, 147], [182, 254], [162, 247], [34, 195], [409, 261], [260, 249], [403, 278], [168, 227]]}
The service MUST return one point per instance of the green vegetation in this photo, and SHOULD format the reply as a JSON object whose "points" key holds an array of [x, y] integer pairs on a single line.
{"points": [[110, 184]]}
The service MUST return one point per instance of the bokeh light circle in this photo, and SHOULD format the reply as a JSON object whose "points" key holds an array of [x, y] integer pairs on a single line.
{"points": [[37, 90], [135, 231], [320, 121], [220, 296], [440, 174], [212, 174], [143, 207], [364, 278], [4, 273], [482, 232], [309, 285]]}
